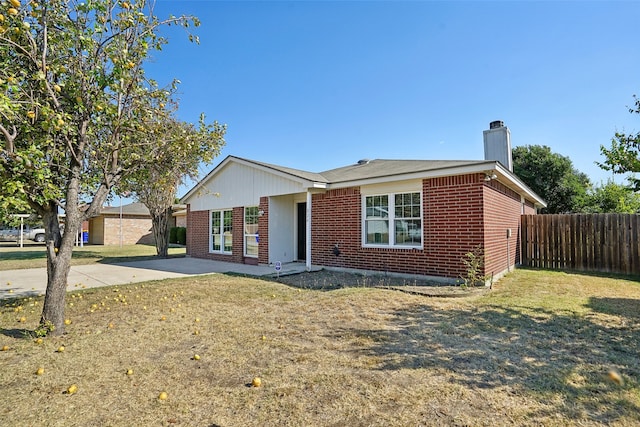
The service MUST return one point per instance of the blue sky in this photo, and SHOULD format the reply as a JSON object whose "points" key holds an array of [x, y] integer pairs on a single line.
{"points": [[319, 85]]}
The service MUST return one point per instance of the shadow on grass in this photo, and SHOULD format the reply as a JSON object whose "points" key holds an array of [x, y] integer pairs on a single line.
{"points": [[16, 333], [624, 307], [8, 298], [560, 359]]}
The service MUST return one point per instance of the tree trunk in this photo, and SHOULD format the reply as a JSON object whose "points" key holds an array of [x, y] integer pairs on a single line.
{"points": [[59, 251], [160, 225]]}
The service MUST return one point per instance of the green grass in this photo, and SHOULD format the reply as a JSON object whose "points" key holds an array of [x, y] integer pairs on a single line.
{"points": [[34, 256], [536, 350]]}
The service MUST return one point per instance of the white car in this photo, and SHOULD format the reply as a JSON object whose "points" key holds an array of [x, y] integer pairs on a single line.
{"points": [[12, 234]]}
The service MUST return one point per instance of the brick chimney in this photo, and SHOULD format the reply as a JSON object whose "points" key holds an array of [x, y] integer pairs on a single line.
{"points": [[497, 144]]}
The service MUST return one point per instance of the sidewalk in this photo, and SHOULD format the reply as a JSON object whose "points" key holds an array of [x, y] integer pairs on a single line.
{"points": [[32, 282]]}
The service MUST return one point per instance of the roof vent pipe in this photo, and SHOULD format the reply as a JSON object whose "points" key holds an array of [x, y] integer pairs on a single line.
{"points": [[363, 161]]}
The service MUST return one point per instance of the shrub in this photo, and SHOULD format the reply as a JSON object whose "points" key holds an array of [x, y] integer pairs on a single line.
{"points": [[173, 235], [181, 235], [474, 262]]}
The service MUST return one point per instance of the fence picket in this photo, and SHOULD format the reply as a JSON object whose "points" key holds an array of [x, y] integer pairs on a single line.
{"points": [[586, 242]]}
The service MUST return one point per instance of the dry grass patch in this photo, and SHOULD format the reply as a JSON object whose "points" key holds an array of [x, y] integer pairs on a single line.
{"points": [[534, 351]]}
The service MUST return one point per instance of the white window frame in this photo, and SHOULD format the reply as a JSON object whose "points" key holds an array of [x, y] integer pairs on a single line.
{"points": [[222, 233], [246, 227], [391, 218]]}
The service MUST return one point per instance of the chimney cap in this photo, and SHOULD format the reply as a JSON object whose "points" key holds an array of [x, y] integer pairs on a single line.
{"points": [[363, 161], [496, 124]]}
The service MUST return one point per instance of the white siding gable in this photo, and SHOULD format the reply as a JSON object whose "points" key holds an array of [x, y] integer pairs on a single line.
{"points": [[238, 184]]}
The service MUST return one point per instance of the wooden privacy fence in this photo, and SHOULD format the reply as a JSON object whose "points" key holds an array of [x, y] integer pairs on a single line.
{"points": [[587, 242]]}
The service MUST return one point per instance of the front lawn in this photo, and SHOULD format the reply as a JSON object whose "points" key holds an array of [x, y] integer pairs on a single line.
{"points": [[34, 255], [541, 348]]}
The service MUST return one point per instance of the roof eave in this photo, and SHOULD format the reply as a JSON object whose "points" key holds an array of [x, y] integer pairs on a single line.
{"points": [[480, 167], [429, 173], [514, 180]]}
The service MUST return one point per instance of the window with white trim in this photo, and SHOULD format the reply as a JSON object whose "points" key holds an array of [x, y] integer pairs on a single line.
{"points": [[251, 216], [221, 237], [393, 220]]}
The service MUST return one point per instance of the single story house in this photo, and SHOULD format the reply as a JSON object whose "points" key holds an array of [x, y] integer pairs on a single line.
{"points": [[128, 224], [179, 216], [415, 217]]}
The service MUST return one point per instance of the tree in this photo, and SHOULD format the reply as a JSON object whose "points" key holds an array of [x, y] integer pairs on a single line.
{"points": [[77, 113], [611, 198], [624, 155], [552, 176], [156, 185]]}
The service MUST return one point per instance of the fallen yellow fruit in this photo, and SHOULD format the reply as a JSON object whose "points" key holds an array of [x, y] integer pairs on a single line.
{"points": [[615, 377], [60, 349], [40, 371], [67, 321], [256, 382], [39, 341], [196, 357], [5, 348], [72, 389], [163, 396], [129, 371]]}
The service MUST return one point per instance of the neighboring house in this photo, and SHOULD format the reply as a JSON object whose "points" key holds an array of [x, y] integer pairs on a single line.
{"points": [[417, 217], [129, 224], [179, 216]]}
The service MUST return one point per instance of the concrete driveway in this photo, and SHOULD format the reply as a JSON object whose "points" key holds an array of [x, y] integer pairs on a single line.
{"points": [[31, 282]]}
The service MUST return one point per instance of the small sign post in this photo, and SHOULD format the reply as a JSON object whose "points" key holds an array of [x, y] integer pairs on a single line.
{"points": [[278, 267]]}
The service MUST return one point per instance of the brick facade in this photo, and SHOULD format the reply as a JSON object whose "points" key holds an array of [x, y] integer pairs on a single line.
{"points": [[502, 211], [452, 224], [263, 231], [459, 213], [105, 230], [198, 237]]}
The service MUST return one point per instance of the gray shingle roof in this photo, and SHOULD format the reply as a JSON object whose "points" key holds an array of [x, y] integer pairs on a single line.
{"points": [[382, 168], [370, 169]]}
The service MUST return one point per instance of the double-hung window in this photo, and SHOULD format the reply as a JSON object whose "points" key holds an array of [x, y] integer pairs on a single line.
{"points": [[393, 220], [221, 238], [251, 216]]}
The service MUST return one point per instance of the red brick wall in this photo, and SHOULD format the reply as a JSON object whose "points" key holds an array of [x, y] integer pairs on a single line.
{"points": [[452, 225], [453, 222], [502, 211], [197, 233], [198, 236], [263, 231], [237, 248]]}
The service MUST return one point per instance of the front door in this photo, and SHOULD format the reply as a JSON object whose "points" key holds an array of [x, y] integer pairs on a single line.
{"points": [[302, 231]]}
